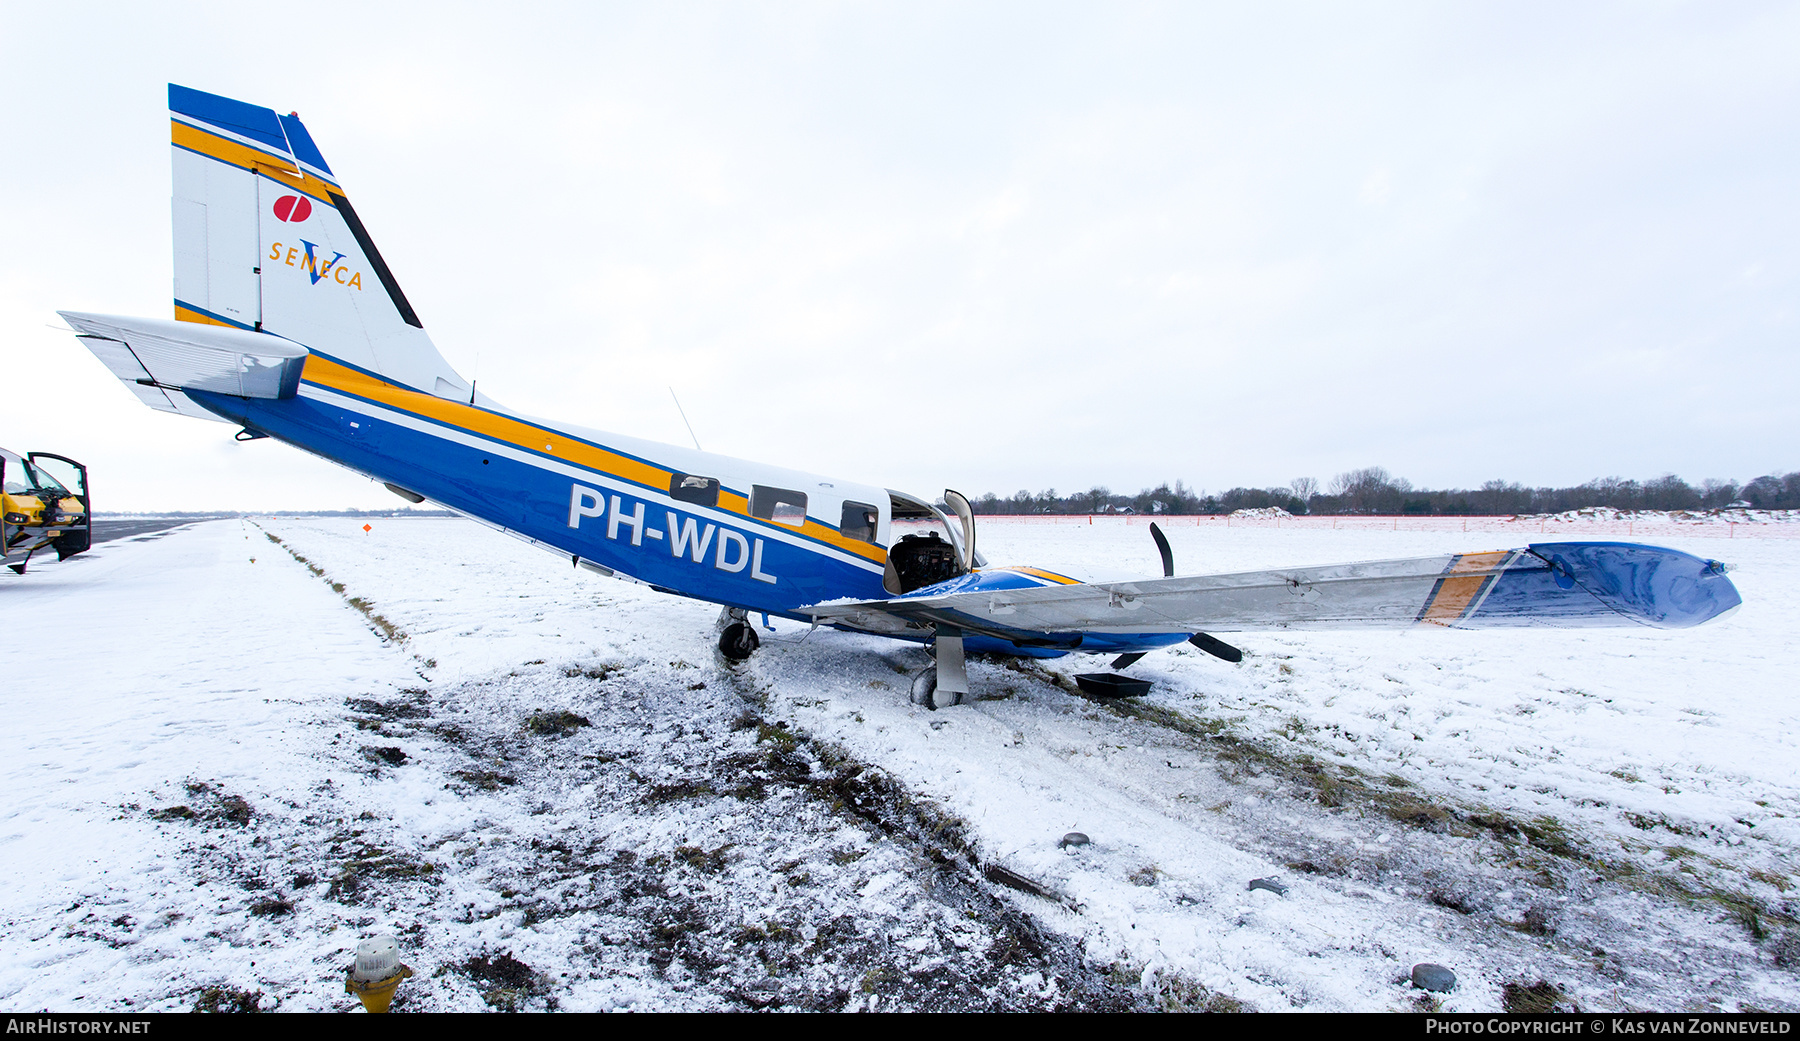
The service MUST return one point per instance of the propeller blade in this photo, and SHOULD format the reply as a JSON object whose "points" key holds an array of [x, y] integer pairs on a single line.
{"points": [[1162, 546], [1217, 648], [1125, 661]]}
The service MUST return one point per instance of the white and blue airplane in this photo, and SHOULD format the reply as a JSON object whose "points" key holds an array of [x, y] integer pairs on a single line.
{"points": [[288, 324]]}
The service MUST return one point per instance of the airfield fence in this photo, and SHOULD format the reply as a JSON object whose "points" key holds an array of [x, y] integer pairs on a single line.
{"points": [[1706, 526]]}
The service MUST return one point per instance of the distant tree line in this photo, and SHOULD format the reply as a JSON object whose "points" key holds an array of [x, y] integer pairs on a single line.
{"points": [[1374, 491]]}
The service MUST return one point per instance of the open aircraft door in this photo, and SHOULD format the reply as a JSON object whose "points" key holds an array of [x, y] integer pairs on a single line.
{"points": [[959, 505], [43, 506], [78, 536]]}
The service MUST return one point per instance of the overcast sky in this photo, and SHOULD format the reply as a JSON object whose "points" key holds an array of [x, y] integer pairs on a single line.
{"points": [[988, 247]]}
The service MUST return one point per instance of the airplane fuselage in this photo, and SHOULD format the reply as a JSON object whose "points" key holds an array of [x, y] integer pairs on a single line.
{"points": [[600, 499], [615, 504]]}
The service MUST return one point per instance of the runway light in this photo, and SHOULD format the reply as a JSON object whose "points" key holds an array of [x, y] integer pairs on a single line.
{"points": [[377, 974]]}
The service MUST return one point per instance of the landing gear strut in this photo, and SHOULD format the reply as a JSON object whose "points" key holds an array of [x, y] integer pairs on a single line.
{"points": [[737, 640], [946, 682]]}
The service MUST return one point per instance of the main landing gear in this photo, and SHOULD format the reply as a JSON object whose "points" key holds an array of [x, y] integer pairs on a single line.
{"points": [[946, 681], [737, 639]]}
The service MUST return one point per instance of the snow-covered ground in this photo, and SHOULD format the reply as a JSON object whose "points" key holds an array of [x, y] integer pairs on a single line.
{"points": [[229, 758]]}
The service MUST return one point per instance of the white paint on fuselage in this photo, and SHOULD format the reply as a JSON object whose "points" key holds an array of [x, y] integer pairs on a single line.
{"points": [[732, 473]]}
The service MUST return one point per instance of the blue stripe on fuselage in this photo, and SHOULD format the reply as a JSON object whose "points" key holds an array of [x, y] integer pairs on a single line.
{"points": [[786, 531], [534, 501]]}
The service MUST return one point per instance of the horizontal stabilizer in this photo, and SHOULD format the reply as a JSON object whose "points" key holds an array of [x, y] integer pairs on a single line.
{"points": [[159, 360], [1566, 585]]}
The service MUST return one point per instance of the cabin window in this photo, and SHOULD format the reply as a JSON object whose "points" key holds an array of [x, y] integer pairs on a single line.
{"points": [[22, 478], [701, 491], [859, 521], [781, 505]]}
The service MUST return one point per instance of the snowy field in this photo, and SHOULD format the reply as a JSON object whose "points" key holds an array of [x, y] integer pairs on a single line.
{"points": [[237, 748]]}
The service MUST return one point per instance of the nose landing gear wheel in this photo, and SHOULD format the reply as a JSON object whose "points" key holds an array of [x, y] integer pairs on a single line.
{"points": [[738, 641]]}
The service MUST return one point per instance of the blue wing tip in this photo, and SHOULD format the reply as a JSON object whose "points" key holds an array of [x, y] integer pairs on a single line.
{"points": [[1654, 585]]}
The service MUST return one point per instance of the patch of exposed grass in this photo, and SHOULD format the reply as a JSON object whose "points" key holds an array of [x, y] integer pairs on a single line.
{"points": [[1744, 910], [486, 780], [219, 807], [1535, 998], [233, 809], [225, 999], [389, 631], [1453, 901], [777, 734], [1769, 878], [1539, 920], [555, 724], [271, 906], [592, 672], [506, 981], [371, 865], [1786, 950], [1549, 835], [1653, 821], [390, 710], [675, 791], [389, 754], [1180, 994], [705, 861]]}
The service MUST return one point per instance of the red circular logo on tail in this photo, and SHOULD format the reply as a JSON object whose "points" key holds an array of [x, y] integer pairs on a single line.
{"points": [[292, 208]]}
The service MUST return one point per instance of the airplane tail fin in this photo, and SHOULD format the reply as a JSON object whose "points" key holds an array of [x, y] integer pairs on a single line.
{"points": [[266, 241]]}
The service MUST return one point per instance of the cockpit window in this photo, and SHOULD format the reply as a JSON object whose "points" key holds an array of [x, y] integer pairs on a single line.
{"points": [[781, 505], [43, 480], [22, 478], [701, 491], [860, 521]]}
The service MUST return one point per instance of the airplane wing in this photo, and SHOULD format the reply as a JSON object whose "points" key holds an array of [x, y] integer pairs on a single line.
{"points": [[1565, 584]]}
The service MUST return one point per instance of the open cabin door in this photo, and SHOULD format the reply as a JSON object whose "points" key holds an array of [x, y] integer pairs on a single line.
{"points": [[928, 543], [959, 505], [79, 536]]}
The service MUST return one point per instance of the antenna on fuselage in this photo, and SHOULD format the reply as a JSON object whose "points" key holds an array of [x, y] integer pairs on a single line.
{"points": [[684, 419]]}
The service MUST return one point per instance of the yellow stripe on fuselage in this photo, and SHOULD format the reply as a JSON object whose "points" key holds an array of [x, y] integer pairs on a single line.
{"points": [[226, 150], [1461, 586], [533, 438]]}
